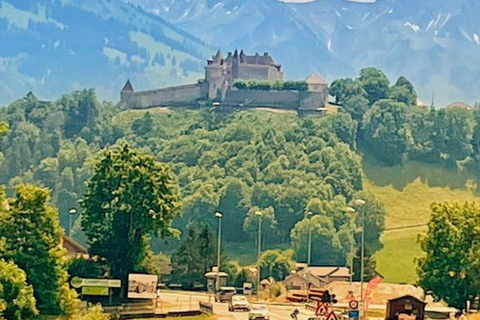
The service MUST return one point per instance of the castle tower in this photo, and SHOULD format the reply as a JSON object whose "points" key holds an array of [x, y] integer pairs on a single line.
{"points": [[126, 91], [214, 75], [235, 65]]}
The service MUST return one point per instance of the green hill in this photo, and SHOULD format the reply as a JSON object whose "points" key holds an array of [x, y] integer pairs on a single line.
{"points": [[407, 192]]}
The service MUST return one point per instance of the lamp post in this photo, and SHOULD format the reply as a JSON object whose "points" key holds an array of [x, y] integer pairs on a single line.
{"points": [[309, 255], [359, 203], [219, 215], [351, 211], [259, 214], [71, 212]]}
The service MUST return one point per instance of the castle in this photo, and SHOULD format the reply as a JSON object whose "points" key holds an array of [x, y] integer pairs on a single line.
{"points": [[220, 76]]}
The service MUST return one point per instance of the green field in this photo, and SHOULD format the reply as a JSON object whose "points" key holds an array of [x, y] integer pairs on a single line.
{"points": [[407, 193]]}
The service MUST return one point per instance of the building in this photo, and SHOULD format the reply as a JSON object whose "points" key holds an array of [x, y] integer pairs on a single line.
{"points": [[317, 277], [220, 75], [74, 249], [406, 307]]}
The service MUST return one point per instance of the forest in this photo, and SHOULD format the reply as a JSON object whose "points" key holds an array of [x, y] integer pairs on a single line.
{"points": [[238, 162]]}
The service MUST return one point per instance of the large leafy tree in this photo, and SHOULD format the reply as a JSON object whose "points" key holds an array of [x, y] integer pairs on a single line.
{"points": [[386, 131], [129, 198], [450, 266], [327, 246], [276, 264], [16, 296], [375, 83], [32, 237]]}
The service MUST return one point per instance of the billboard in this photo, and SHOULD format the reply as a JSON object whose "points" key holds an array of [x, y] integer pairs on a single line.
{"points": [[142, 286], [77, 282]]}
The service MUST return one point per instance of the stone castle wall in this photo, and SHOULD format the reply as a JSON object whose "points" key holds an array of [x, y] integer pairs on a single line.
{"points": [[181, 95], [261, 98]]}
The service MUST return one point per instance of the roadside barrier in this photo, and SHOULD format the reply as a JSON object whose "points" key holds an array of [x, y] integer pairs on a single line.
{"points": [[206, 307]]}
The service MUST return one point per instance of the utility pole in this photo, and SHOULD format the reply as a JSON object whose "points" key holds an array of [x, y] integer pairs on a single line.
{"points": [[309, 255], [71, 212], [219, 215], [351, 211], [360, 202], [259, 214]]}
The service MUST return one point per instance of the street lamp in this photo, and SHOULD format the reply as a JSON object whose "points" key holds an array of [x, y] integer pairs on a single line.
{"points": [[309, 255], [351, 211], [219, 215], [359, 203], [259, 214], [71, 212]]}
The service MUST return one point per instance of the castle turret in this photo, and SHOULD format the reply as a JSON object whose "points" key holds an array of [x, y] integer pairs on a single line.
{"points": [[235, 63], [126, 91]]}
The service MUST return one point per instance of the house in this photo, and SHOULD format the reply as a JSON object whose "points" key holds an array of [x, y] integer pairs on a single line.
{"points": [[316, 277], [73, 248]]}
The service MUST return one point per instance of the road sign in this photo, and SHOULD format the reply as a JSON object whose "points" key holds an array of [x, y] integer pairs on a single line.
{"points": [[95, 291], [353, 304], [353, 314], [77, 282]]}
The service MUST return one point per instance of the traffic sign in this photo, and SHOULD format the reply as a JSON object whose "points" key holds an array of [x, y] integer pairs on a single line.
{"points": [[353, 314], [353, 304]]}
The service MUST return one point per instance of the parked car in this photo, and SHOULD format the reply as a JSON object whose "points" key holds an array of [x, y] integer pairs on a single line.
{"points": [[225, 293], [238, 302], [259, 312]]}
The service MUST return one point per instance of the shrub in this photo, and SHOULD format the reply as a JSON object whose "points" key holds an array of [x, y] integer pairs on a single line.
{"points": [[16, 297]]}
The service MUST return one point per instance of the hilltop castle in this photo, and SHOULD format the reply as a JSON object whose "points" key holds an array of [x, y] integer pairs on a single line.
{"points": [[220, 76]]}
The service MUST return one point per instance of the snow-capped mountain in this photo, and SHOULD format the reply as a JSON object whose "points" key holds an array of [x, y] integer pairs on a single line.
{"points": [[435, 43]]}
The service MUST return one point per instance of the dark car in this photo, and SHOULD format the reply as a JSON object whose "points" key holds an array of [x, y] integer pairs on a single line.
{"points": [[225, 294], [238, 302]]}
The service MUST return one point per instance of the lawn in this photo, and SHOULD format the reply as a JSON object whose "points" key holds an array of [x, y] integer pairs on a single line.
{"points": [[407, 193], [202, 317]]}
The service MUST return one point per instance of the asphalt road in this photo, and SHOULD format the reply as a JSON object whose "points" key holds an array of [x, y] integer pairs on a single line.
{"points": [[185, 301]]}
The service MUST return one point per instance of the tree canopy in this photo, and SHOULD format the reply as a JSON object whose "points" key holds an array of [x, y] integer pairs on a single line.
{"points": [[450, 267], [129, 197]]}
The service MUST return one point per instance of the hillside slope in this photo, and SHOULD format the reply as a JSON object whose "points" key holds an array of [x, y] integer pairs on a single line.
{"points": [[60, 46], [434, 42], [407, 193]]}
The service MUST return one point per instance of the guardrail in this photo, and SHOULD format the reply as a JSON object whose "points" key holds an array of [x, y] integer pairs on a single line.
{"points": [[206, 307]]}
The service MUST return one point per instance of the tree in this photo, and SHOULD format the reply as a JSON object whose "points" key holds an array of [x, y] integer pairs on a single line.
{"points": [[374, 220], [143, 126], [195, 256], [450, 266], [251, 221], [386, 132], [16, 296], [369, 266], [3, 127], [403, 91], [375, 83], [327, 248], [276, 264], [129, 197], [32, 235]]}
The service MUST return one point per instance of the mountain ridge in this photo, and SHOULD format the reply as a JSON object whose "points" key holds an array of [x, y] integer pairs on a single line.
{"points": [[433, 43], [60, 46]]}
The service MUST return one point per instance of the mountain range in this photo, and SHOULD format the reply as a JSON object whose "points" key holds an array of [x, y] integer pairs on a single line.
{"points": [[52, 47], [56, 46], [435, 43]]}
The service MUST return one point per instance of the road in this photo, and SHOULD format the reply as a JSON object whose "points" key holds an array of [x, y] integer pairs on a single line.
{"points": [[174, 301]]}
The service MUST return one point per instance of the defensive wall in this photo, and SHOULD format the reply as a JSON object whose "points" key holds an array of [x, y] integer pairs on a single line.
{"points": [[262, 98], [188, 94], [172, 96]]}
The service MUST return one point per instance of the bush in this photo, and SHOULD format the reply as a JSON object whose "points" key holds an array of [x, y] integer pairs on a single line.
{"points": [[16, 297], [93, 313]]}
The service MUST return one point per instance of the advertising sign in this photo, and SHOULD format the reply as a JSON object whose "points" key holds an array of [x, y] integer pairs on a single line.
{"points": [[77, 282], [95, 291], [142, 286]]}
